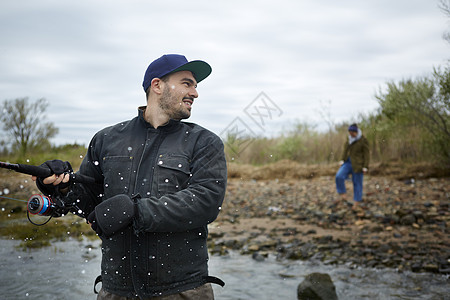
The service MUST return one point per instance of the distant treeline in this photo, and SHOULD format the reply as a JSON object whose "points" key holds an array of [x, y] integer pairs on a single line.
{"points": [[411, 125], [73, 153]]}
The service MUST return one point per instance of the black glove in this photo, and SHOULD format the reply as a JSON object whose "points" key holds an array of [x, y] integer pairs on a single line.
{"points": [[112, 215], [91, 219], [56, 167]]}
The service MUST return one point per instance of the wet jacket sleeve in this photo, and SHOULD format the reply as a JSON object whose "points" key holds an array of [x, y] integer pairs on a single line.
{"points": [[195, 206], [344, 155], [87, 196], [366, 153]]}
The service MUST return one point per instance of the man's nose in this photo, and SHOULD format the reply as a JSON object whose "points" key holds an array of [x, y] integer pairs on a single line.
{"points": [[193, 92]]}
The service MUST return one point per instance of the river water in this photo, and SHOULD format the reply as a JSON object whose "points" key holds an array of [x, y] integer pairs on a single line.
{"points": [[67, 270]]}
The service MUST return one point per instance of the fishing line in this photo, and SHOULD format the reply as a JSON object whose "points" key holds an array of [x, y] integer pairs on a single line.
{"points": [[13, 199]]}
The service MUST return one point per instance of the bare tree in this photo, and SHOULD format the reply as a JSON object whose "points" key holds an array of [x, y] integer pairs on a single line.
{"points": [[24, 124], [444, 5]]}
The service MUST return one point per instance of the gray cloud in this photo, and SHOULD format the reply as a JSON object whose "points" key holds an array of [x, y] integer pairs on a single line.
{"points": [[87, 58]]}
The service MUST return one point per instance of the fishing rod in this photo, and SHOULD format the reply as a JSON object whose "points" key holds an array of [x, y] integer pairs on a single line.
{"points": [[43, 172], [45, 205]]}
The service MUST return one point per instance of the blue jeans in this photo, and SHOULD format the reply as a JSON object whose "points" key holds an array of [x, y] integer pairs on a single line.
{"points": [[357, 178]]}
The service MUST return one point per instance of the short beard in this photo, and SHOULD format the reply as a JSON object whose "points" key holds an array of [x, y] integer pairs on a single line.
{"points": [[169, 104]]}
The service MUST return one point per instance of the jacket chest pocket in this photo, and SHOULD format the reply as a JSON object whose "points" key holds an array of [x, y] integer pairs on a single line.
{"points": [[117, 173], [356, 148], [173, 173]]}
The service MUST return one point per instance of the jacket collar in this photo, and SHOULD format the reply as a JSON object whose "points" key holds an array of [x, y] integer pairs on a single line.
{"points": [[351, 139], [168, 127]]}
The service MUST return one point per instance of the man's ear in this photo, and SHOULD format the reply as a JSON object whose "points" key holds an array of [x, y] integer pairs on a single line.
{"points": [[157, 85]]}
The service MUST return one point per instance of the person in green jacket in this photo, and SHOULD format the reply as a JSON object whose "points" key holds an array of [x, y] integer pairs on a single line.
{"points": [[354, 161]]}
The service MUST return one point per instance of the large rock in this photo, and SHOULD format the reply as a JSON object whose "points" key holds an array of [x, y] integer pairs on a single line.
{"points": [[317, 286]]}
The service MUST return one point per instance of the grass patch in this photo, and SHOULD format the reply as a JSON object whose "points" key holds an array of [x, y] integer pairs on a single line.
{"points": [[32, 236]]}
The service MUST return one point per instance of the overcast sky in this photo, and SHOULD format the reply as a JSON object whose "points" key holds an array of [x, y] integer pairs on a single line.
{"points": [[314, 61]]}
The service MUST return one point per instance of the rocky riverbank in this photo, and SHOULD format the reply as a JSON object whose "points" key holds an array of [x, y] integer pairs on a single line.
{"points": [[402, 224], [290, 210]]}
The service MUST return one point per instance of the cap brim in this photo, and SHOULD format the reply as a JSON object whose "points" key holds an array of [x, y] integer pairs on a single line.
{"points": [[199, 68]]}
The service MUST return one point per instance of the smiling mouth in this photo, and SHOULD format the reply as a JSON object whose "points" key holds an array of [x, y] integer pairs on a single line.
{"points": [[188, 102]]}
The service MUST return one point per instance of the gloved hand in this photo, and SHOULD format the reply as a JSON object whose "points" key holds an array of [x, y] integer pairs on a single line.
{"points": [[57, 167], [112, 215], [341, 162], [92, 220]]}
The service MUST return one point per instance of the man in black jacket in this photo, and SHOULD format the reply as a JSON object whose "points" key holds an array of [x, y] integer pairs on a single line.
{"points": [[161, 182]]}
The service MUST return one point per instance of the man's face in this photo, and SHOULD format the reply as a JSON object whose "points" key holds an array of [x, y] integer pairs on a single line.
{"points": [[353, 133], [178, 95]]}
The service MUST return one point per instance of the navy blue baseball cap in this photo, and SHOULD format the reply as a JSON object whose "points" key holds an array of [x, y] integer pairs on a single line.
{"points": [[171, 63], [353, 127]]}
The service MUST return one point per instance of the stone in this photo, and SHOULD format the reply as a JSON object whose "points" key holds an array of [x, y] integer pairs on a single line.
{"points": [[253, 247], [258, 257], [317, 286], [408, 219], [431, 268]]}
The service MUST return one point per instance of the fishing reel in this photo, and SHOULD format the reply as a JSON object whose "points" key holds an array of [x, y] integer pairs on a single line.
{"points": [[46, 206]]}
